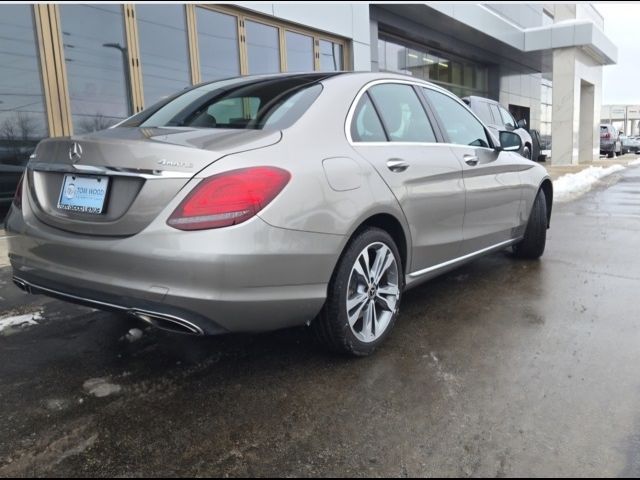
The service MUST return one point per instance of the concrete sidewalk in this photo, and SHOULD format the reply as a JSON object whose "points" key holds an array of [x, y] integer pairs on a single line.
{"points": [[4, 259], [557, 171]]}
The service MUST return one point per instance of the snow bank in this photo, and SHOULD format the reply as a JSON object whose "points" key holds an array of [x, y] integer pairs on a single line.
{"points": [[572, 185], [634, 162], [20, 320]]}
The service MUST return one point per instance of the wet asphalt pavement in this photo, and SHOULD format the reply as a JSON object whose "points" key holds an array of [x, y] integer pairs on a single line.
{"points": [[500, 368]]}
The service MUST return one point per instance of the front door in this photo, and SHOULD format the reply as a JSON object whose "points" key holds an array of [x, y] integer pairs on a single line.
{"points": [[491, 178]]}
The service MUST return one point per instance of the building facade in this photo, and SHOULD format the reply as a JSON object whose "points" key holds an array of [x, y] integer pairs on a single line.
{"points": [[71, 68]]}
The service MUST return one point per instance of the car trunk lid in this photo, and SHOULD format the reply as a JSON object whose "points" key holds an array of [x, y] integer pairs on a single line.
{"points": [[143, 167]]}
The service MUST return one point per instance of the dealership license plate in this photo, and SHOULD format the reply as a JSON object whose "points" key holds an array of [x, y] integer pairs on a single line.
{"points": [[83, 194]]}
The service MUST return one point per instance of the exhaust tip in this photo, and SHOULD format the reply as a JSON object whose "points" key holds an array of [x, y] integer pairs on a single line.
{"points": [[167, 322], [21, 284]]}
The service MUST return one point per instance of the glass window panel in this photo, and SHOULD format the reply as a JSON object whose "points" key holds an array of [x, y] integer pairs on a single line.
{"points": [[330, 56], [164, 54], [418, 64], [218, 44], [237, 103], [299, 52], [481, 78], [432, 65], [22, 114], [461, 127], [402, 113], [482, 110], [496, 114], [366, 126], [395, 57], [263, 48], [443, 70], [456, 73], [467, 76], [97, 65], [507, 118]]}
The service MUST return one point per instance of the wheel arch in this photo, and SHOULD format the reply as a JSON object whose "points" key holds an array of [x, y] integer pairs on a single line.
{"points": [[390, 224], [547, 187]]}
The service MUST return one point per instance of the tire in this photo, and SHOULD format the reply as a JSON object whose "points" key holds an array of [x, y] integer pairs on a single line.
{"points": [[338, 330], [610, 155], [526, 152], [535, 235]]}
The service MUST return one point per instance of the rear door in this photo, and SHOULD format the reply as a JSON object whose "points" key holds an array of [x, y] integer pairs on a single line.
{"points": [[392, 130], [491, 178]]}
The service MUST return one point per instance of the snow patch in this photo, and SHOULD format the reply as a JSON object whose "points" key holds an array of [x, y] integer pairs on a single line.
{"points": [[20, 321], [572, 185], [100, 387], [634, 162], [133, 335]]}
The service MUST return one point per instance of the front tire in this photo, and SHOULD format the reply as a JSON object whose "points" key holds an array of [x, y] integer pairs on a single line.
{"points": [[535, 235], [363, 296]]}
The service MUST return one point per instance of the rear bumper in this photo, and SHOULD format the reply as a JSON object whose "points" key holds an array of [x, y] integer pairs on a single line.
{"points": [[154, 315], [249, 278]]}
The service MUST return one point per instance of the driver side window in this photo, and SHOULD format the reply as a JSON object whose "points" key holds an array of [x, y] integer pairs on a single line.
{"points": [[507, 118], [462, 128]]}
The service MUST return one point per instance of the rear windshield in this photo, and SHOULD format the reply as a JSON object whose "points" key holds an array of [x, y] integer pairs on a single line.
{"points": [[267, 103]]}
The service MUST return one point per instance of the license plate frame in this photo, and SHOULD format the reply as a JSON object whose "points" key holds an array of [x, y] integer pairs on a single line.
{"points": [[86, 194]]}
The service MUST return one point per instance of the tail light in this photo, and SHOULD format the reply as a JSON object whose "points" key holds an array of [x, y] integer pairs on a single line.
{"points": [[17, 198], [229, 198], [606, 136]]}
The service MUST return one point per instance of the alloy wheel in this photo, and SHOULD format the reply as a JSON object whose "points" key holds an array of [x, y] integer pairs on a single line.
{"points": [[373, 292]]}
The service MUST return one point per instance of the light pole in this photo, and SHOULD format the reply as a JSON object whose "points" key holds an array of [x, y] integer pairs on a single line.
{"points": [[127, 72]]}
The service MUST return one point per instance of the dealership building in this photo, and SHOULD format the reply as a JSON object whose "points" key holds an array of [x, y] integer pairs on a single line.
{"points": [[625, 118], [69, 68]]}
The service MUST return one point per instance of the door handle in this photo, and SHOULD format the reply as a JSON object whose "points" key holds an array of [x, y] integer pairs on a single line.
{"points": [[397, 165], [471, 160]]}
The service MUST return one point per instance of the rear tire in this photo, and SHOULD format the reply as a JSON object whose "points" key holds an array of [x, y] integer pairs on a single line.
{"points": [[363, 297], [535, 235], [526, 153]]}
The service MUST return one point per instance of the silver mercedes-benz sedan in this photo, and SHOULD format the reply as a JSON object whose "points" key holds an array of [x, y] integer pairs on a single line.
{"points": [[259, 203]]}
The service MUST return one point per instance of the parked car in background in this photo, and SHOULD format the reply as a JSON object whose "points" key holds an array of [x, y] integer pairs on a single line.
{"points": [[498, 118], [629, 144], [257, 203], [610, 143]]}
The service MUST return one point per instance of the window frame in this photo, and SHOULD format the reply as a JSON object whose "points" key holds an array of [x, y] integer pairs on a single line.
{"points": [[446, 93], [367, 95], [243, 15], [416, 86], [501, 109], [497, 121]]}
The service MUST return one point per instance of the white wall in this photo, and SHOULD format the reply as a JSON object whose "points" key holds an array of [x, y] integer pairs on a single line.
{"points": [[574, 143]]}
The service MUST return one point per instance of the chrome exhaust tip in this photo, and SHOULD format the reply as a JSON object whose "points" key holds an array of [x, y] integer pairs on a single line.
{"points": [[167, 322], [21, 284]]}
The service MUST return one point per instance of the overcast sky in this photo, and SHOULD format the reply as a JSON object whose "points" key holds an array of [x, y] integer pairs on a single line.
{"points": [[621, 82]]}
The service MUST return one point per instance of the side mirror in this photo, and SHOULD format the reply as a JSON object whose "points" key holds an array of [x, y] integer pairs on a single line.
{"points": [[510, 142], [522, 123]]}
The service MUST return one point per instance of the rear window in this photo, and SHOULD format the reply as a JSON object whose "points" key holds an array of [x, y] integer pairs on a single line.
{"points": [[268, 103]]}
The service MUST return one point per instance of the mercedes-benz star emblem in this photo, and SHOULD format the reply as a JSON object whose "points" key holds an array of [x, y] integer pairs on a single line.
{"points": [[75, 152]]}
